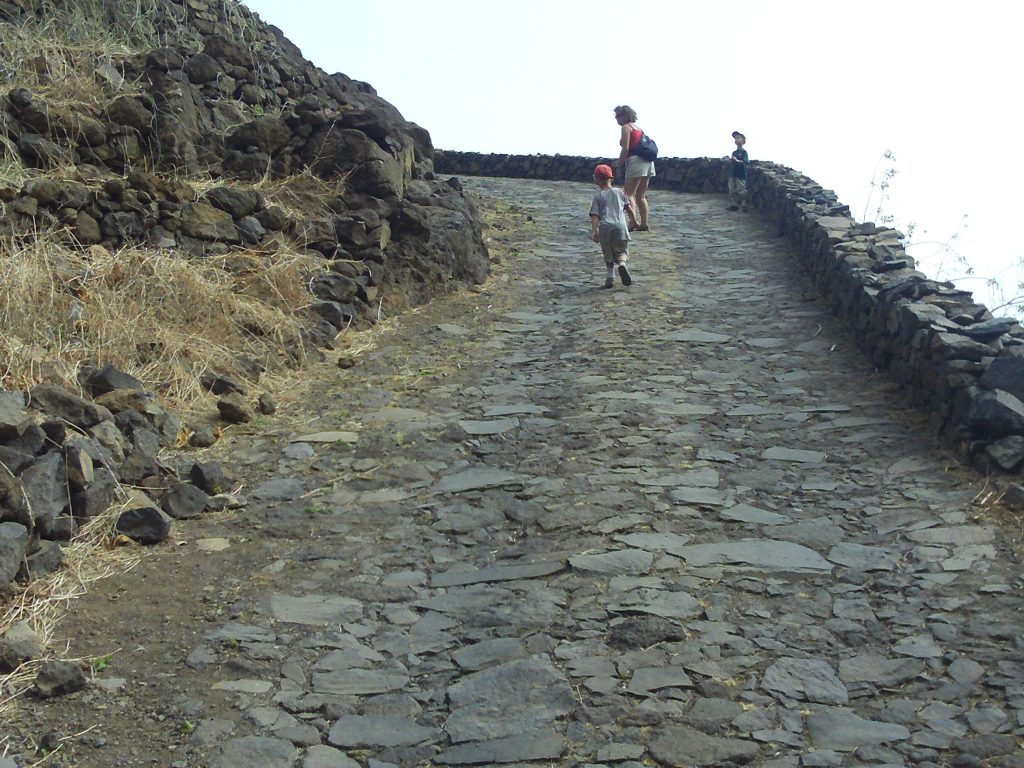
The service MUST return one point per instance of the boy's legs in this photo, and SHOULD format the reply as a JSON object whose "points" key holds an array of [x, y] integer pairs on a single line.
{"points": [[621, 249], [737, 194], [607, 248]]}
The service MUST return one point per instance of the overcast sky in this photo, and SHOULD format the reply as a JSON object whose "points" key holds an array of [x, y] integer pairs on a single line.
{"points": [[823, 88]]}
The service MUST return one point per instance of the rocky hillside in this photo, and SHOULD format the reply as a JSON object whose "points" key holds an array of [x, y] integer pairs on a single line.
{"points": [[187, 206]]}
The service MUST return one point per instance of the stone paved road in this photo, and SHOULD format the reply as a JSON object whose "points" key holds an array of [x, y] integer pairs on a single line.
{"points": [[682, 523]]}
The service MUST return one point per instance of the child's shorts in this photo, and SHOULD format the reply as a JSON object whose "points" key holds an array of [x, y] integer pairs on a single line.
{"points": [[615, 251]]}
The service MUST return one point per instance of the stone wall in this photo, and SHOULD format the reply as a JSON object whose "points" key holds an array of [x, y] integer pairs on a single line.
{"points": [[955, 361]]}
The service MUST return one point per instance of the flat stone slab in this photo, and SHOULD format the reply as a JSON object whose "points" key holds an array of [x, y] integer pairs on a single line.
{"points": [[358, 682], [488, 653], [256, 752], [409, 418], [243, 686], [793, 454], [653, 542], [704, 497], [684, 746], [863, 558], [694, 336], [634, 562], [545, 745], [478, 478], [490, 427], [646, 680], [514, 409], [957, 535], [316, 610], [705, 477], [657, 602], [378, 731], [241, 633], [533, 693], [919, 647], [496, 573], [878, 670], [765, 554], [766, 342], [843, 730], [743, 513], [805, 679], [328, 437]]}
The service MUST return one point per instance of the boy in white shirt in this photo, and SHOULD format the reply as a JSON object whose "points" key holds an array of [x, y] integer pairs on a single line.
{"points": [[608, 225]]}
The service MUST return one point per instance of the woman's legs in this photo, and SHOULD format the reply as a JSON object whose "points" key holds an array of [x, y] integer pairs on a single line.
{"points": [[629, 189], [640, 198]]}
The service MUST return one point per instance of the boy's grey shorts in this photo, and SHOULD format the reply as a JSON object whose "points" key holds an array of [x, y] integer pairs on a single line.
{"points": [[615, 251]]}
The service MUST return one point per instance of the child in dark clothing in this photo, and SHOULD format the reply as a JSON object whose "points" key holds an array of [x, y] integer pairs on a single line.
{"points": [[738, 177]]}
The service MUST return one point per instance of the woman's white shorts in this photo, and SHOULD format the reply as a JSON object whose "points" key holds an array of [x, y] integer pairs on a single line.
{"points": [[636, 167]]}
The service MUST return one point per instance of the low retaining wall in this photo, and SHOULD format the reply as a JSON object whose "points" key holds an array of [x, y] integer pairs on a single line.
{"points": [[957, 362]]}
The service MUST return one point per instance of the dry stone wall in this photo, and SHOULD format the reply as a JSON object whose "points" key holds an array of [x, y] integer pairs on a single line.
{"points": [[957, 362]]}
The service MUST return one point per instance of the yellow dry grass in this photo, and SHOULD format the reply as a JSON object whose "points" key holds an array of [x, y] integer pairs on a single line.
{"points": [[163, 316]]}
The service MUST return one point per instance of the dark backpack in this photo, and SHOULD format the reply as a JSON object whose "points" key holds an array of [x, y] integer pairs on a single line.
{"points": [[646, 149]]}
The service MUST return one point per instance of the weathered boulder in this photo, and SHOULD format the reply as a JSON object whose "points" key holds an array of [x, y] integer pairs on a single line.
{"points": [[990, 413], [202, 68], [97, 497], [1006, 372], [45, 487], [184, 501], [236, 201], [143, 521], [234, 409], [109, 378], [53, 399], [267, 135], [131, 112], [14, 539], [334, 151], [18, 645], [40, 152], [201, 220], [59, 678]]}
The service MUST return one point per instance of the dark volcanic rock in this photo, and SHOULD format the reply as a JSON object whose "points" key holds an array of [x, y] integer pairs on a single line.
{"points": [[59, 678]]}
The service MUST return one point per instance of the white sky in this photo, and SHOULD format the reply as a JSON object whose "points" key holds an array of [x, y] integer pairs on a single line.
{"points": [[824, 88]]}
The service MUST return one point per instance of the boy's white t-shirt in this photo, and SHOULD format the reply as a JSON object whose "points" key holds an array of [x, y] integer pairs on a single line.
{"points": [[609, 206]]}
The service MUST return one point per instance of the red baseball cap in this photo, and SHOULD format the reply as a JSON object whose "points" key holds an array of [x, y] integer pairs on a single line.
{"points": [[604, 172]]}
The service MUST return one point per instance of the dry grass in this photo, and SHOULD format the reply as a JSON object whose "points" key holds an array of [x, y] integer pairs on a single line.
{"points": [[54, 50], [162, 316], [90, 557]]}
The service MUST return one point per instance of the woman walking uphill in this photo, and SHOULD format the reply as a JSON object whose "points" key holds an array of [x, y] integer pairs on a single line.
{"points": [[636, 170]]}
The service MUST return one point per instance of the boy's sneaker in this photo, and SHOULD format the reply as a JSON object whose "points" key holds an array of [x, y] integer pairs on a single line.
{"points": [[624, 275], [609, 283], [733, 208]]}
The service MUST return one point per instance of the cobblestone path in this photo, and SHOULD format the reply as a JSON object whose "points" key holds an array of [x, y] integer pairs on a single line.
{"points": [[683, 523]]}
